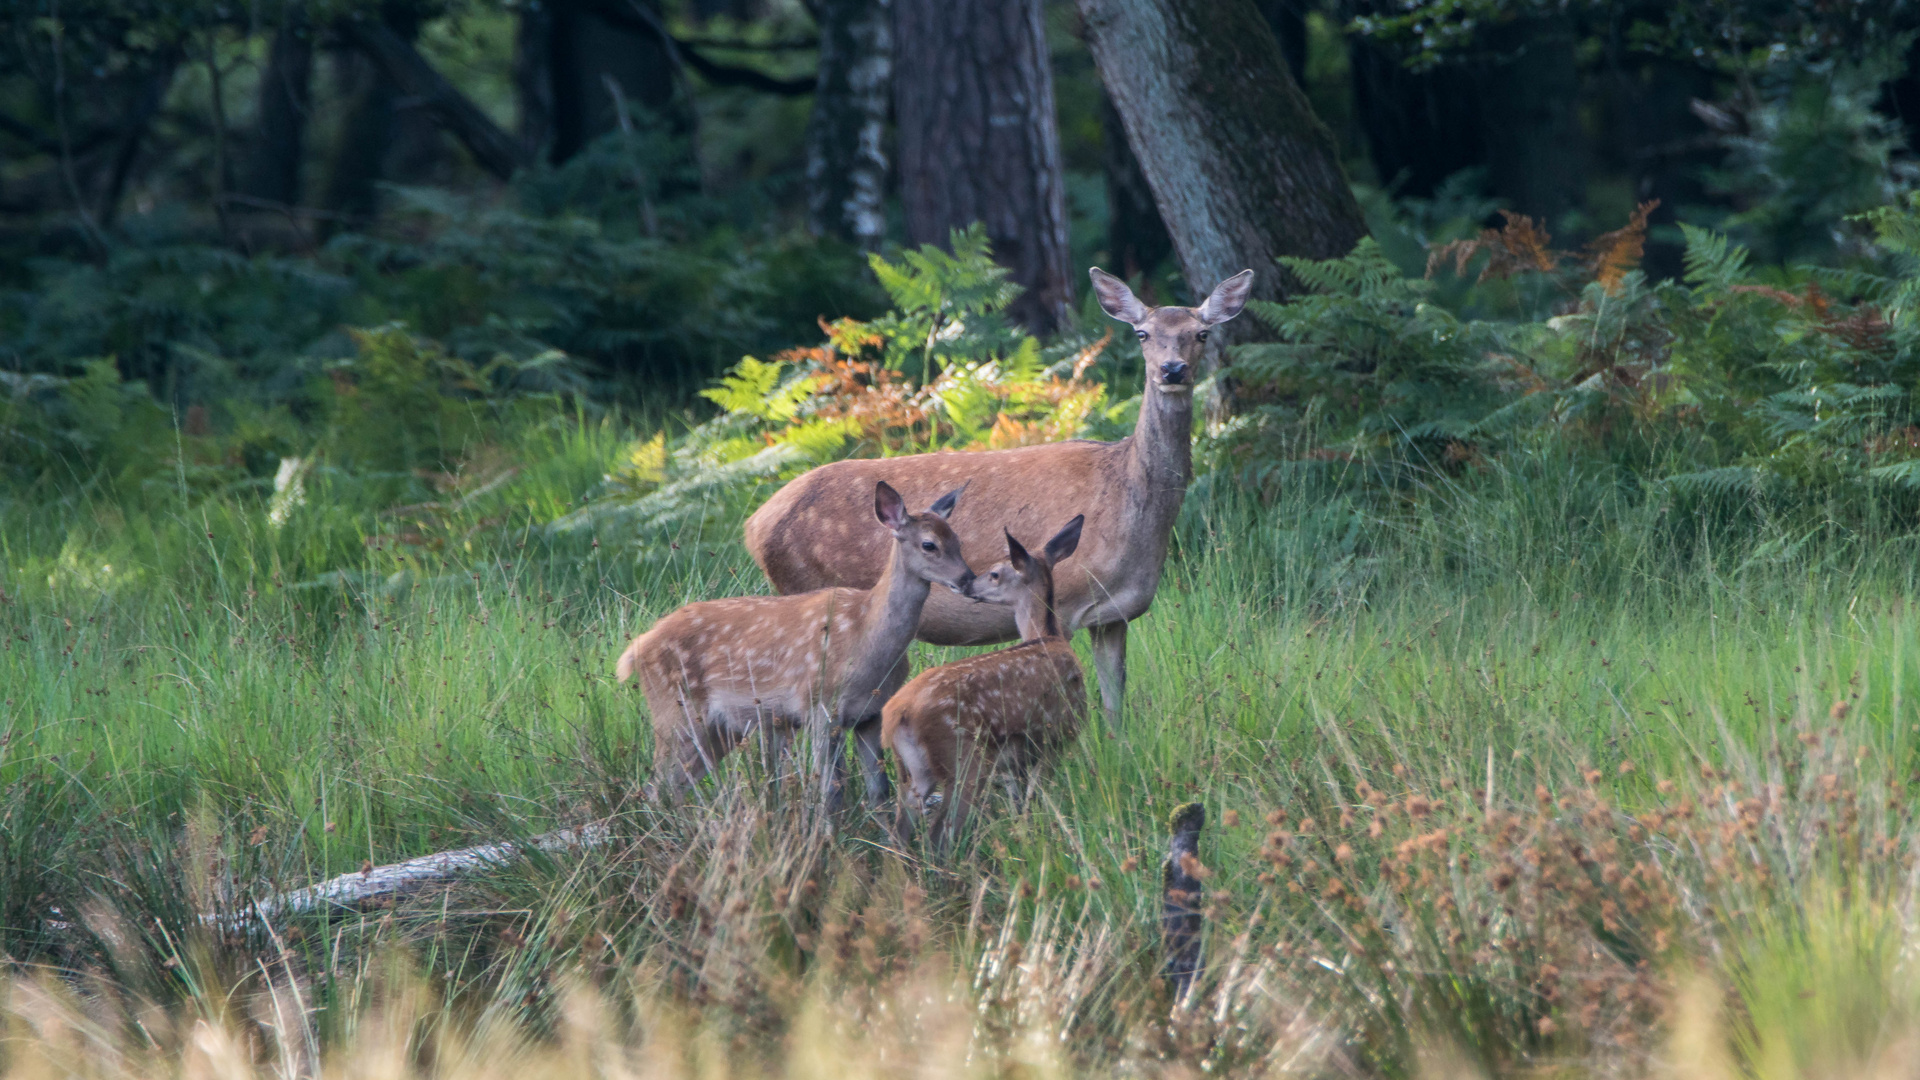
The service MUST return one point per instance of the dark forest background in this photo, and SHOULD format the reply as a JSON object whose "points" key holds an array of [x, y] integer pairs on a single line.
{"points": [[437, 161]]}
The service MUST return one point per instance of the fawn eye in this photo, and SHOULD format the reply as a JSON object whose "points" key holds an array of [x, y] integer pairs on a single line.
{"points": [[928, 545], [1202, 335], [1141, 334], [995, 576]]}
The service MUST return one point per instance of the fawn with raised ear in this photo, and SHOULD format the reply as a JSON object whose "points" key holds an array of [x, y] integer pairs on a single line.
{"points": [[1001, 714], [715, 671], [1131, 491]]}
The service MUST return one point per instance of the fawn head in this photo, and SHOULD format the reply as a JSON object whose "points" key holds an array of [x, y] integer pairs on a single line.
{"points": [[1026, 580], [1171, 338], [928, 543]]}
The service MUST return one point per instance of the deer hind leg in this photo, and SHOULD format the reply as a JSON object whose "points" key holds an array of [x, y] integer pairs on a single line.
{"points": [[1110, 662], [684, 749], [866, 743], [971, 775], [917, 799]]}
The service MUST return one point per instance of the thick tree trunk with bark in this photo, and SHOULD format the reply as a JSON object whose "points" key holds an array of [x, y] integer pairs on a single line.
{"points": [[1242, 170], [978, 139], [846, 149]]}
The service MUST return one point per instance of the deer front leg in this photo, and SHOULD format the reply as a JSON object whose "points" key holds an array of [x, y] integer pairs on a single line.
{"points": [[866, 743], [1110, 663]]}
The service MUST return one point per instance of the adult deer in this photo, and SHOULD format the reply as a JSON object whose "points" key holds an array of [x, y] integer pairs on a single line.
{"points": [[1131, 489], [827, 660], [1004, 714]]}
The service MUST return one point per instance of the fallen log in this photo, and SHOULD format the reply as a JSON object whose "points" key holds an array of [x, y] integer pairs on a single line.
{"points": [[357, 888]]}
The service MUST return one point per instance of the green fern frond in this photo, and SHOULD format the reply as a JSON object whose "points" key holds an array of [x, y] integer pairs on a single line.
{"points": [[1713, 264]]}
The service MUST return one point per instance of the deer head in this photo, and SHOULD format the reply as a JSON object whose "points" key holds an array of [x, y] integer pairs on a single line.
{"points": [[1172, 338], [1026, 581], [928, 549]]}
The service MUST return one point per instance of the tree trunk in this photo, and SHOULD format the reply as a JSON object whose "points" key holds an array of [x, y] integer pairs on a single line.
{"points": [[1535, 148], [1242, 170], [1653, 137], [152, 92], [366, 132], [1421, 127], [1137, 239], [272, 172], [846, 152], [973, 100], [403, 70], [592, 39], [533, 78]]}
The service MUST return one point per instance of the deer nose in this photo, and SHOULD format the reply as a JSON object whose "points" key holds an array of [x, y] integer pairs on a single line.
{"points": [[1173, 372]]}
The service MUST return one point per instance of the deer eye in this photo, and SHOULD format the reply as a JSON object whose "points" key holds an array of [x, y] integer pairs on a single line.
{"points": [[1141, 334], [1202, 335], [928, 545], [995, 576]]}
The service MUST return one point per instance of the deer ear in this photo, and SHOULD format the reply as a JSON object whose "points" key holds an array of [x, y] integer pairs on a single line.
{"points": [[943, 506], [1017, 553], [1116, 299], [1228, 298], [1065, 541], [889, 507]]}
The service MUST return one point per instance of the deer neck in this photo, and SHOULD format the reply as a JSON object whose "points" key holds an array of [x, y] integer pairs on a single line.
{"points": [[888, 620], [1033, 614], [1160, 457]]}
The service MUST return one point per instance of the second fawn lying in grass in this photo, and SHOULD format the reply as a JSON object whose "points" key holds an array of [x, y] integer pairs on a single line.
{"points": [[1001, 714], [717, 670]]}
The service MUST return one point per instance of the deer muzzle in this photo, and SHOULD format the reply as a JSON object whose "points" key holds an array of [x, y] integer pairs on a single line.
{"points": [[1174, 373]]}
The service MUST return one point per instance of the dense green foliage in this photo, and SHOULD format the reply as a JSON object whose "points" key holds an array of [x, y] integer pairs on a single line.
{"points": [[563, 262], [1781, 394]]}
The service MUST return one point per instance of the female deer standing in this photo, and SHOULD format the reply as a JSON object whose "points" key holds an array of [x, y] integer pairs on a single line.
{"points": [[1000, 714], [1131, 491], [714, 671]]}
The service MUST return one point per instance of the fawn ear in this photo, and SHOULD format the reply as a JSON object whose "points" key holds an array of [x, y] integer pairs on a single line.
{"points": [[1065, 540], [889, 507], [1116, 299], [1017, 554], [943, 506], [1227, 299]]}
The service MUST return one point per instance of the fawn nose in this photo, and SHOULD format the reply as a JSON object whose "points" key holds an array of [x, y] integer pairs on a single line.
{"points": [[1173, 372], [965, 585]]}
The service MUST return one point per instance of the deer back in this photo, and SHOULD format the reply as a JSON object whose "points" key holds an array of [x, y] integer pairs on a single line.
{"points": [[795, 539]]}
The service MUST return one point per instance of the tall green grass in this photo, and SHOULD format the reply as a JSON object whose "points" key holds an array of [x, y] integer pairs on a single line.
{"points": [[201, 708]]}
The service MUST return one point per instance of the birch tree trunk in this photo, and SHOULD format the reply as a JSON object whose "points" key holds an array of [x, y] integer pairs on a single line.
{"points": [[846, 151], [973, 100], [1242, 170]]}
